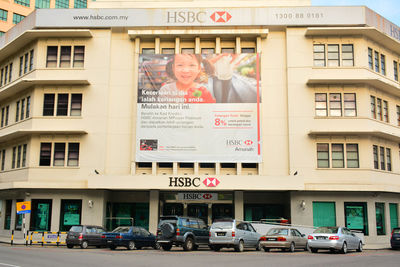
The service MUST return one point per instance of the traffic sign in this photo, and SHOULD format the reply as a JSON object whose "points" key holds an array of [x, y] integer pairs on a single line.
{"points": [[23, 207]]}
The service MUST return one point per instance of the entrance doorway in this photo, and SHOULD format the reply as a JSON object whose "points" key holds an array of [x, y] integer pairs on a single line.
{"points": [[221, 211], [198, 211]]}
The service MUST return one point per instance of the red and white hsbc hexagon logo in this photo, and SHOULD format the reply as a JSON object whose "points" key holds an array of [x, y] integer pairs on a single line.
{"points": [[220, 16], [211, 182]]}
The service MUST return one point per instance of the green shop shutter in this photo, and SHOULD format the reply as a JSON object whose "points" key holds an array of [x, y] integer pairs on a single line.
{"points": [[394, 216], [324, 214]]}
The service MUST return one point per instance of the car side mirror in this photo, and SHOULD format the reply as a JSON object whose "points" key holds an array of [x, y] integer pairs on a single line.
{"points": [[303, 235]]}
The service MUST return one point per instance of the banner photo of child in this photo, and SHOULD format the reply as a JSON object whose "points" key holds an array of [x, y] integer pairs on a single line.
{"points": [[197, 79]]}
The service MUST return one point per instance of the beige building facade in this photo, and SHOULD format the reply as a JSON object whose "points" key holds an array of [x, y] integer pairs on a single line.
{"points": [[326, 117]]}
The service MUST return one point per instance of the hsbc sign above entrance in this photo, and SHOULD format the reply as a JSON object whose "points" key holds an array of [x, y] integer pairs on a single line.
{"points": [[197, 196]]}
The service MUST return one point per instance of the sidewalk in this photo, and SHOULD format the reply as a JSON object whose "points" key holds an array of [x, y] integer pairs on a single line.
{"points": [[18, 239]]}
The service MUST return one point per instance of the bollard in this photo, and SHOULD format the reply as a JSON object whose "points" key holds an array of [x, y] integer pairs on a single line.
{"points": [[12, 237], [43, 238], [27, 238], [58, 239]]}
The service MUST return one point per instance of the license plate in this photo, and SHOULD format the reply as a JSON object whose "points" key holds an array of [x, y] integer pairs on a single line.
{"points": [[397, 238], [109, 241], [271, 239], [220, 234], [321, 237]]}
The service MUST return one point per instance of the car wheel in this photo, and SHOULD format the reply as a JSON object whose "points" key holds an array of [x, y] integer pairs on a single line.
{"points": [[258, 247], [307, 248], [189, 244], [292, 247], [314, 250], [84, 244], [344, 248], [360, 247], [156, 246], [112, 247], [240, 246], [266, 249], [131, 245], [70, 246], [98, 246], [166, 247], [216, 248]]}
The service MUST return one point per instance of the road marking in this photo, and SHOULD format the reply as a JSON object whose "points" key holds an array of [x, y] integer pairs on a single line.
{"points": [[5, 264]]}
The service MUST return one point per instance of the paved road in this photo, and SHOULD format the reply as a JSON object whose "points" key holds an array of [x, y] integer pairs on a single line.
{"points": [[60, 257]]}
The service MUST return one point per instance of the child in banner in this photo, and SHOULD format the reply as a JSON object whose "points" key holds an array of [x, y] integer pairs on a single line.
{"points": [[186, 71]]}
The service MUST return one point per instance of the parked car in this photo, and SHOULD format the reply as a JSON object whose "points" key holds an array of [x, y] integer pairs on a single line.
{"points": [[85, 235], [284, 238], [187, 232], [395, 238], [131, 237], [334, 239], [233, 234]]}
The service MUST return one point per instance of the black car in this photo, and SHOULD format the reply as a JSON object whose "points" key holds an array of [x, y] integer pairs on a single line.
{"points": [[187, 232], [131, 237], [85, 235], [395, 238]]}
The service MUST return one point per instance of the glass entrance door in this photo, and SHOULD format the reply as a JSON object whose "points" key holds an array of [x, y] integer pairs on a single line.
{"points": [[198, 211], [222, 211]]}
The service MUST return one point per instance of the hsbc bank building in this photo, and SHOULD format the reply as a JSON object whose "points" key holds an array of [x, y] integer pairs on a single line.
{"points": [[256, 110]]}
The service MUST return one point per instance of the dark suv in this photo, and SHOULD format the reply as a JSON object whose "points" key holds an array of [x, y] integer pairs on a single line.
{"points": [[187, 232]]}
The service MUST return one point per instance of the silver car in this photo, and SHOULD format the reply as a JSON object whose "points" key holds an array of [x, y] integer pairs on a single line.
{"points": [[233, 234], [284, 238], [335, 239]]}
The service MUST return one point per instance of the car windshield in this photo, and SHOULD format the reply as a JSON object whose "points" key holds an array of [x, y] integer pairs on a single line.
{"points": [[121, 230], [277, 231], [396, 231], [76, 229], [222, 225], [326, 230]]}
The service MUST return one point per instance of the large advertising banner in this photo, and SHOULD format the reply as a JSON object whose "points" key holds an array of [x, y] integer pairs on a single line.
{"points": [[198, 108]]}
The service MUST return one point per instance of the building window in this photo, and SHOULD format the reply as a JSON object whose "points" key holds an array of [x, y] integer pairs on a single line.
{"points": [[42, 3], [3, 159], [376, 157], [337, 156], [62, 4], [62, 104], [14, 155], [52, 53], [385, 111], [80, 4], [356, 216], [2, 117], [48, 105], [249, 50], [323, 155], [396, 70], [73, 154], [59, 154], [7, 219], [17, 111], [2, 33], [79, 56], [26, 63], [333, 55], [168, 51], [350, 106], [41, 215], [19, 151], [187, 50], [398, 115], [383, 64], [45, 154], [380, 218], [373, 107], [324, 214], [382, 158], [321, 108], [352, 156], [388, 159], [70, 214], [21, 65], [24, 148], [65, 57], [7, 113], [347, 55], [3, 14], [319, 55], [22, 110], [31, 53], [379, 109], [10, 72], [22, 115], [370, 59], [376, 61], [76, 105], [17, 18], [148, 51], [394, 215], [28, 106], [22, 2], [207, 51], [335, 105]]}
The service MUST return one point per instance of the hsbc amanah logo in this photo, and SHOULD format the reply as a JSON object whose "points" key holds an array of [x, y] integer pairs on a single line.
{"points": [[211, 182], [221, 16]]}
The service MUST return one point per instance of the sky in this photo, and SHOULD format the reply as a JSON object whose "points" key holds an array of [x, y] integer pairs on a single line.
{"points": [[389, 9]]}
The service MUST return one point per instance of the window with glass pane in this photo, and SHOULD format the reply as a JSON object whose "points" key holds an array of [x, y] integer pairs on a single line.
{"points": [[65, 57], [350, 107], [5, 74], [347, 55], [383, 64], [356, 216], [17, 18], [10, 72], [21, 65], [382, 157], [31, 60], [48, 105], [388, 159], [396, 70], [22, 2], [333, 55], [376, 61], [337, 156], [73, 154], [3, 14], [323, 155], [3, 159], [79, 56], [8, 210], [249, 50], [42, 3], [76, 104], [28, 106], [379, 108], [398, 115], [394, 215], [148, 51], [62, 4], [19, 156], [22, 115], [370, 59], [373, 107], [226, 50], [168, 51], [59, 154], [1, 77], [45, 154], [14, 155], [62, 105], [352, 156], [80, 3], [187, 50], [2, 117], [70, 213], [324, 214], [321, 105], [7, 113], [17, 111], [26, 62], [319, 55], [207, 51], [24, 148], [376, 157], [335, 105], [380, 218], [385, 111], [52, 53]]}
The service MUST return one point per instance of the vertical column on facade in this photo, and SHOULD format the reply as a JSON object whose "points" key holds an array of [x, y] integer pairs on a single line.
{"points": [[154, 210], [238, 46], [157, 48], [217, 168], [371, 216], [154, 168], [13, 214], [197, 49], [387, 218], [135, 74], [175, 168], [239, 168], [55, 215], [218, 45], [177, 45], [196, 168], [239, 205]]}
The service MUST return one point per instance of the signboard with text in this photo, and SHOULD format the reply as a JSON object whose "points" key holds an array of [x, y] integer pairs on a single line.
{"points": [[23, 207], [198, 108]]}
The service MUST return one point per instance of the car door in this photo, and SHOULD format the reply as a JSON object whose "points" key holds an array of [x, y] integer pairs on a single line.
{"points": [[353, 238], [254, 235], [136, 235], [203, 232], [100, 231], [147, 238], [88, 235], [301, 240]]}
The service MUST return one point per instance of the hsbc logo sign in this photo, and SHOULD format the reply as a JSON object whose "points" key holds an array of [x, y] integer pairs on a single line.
{"points": [[197, 196], [211, 182], [197, 17], [192, 182]]}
